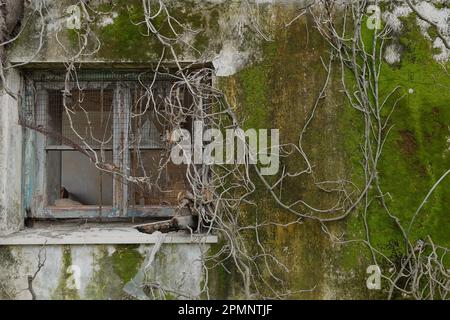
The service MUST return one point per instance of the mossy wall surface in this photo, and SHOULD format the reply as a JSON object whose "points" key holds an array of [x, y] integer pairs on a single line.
{"points": [[73, 272], [416, 154], [276, 87]]}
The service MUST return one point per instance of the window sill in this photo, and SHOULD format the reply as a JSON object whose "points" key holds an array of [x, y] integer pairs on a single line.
{"points": [[85, 234], [93, 211]]}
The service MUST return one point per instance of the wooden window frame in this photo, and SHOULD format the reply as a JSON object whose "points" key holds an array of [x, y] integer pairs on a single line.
{"points": [[35, 151]]}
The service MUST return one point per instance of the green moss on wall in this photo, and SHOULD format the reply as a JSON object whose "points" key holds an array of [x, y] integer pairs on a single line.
{"points": [[414, 157], [126, 261], [418, 145], [278, 91], [125, 40], [128, 39], [110, 273], [65, 289], [113, 271]]}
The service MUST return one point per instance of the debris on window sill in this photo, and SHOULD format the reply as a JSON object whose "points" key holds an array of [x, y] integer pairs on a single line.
{"points": [[98, 233], [177, 223]]}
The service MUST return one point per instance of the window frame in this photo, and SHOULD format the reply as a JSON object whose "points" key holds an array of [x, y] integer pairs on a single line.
{"points": [[35, 150]]}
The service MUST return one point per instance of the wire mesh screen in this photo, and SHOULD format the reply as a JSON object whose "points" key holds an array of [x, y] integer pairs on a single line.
{"points": [[98, 110], [86, 118], [146, 127], [118, 119]]}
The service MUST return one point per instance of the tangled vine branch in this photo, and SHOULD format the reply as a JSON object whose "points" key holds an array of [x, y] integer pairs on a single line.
{"points": [[217, 192]]}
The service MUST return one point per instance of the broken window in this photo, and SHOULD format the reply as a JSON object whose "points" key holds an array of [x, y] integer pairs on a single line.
{"points": [[98, 145]]}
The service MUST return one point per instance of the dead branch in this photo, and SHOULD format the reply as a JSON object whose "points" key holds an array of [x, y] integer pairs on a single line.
{"points": [[40, 265]]}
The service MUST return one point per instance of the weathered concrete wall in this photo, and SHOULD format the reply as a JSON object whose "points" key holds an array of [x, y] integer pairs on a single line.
{"points": [[11, 215], [100, 271], [272, 84]]}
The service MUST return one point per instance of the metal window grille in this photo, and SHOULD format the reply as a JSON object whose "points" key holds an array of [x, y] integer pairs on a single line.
{"points": [[110, 112], [89, 115]]}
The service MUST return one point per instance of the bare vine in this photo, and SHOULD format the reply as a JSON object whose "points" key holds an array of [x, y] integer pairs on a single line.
{"points": [[217, 192], [422, 269]]}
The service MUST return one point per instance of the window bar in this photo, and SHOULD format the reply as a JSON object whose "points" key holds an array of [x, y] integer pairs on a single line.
{"points": [[120, 146]]}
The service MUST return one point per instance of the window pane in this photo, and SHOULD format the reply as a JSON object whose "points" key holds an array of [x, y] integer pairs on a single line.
{"points": [[147, 122], [159, 186], [73, 180], [87, 119], [124, 122]]}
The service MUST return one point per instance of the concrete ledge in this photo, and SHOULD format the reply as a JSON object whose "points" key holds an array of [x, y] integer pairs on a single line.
{"points": [[98, 234]]}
